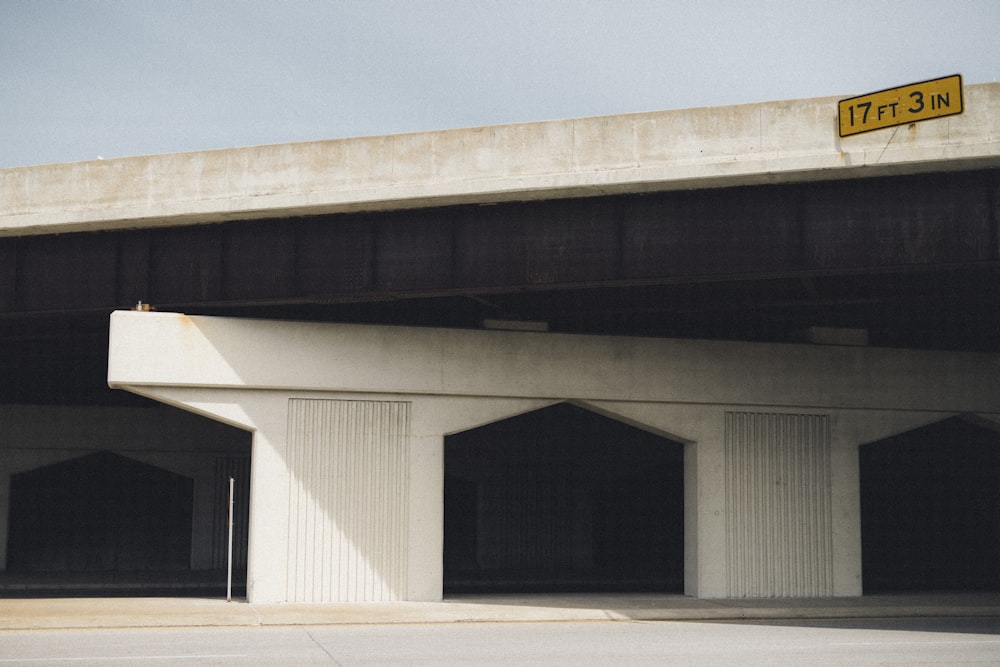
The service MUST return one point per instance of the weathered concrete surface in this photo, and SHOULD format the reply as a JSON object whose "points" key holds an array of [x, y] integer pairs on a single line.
{"points": [[247, 372], [693, 148], [109, 612], [225, 352]]}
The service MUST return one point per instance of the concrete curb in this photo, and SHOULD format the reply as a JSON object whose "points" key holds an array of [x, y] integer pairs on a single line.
{"points": [[84, 613]]}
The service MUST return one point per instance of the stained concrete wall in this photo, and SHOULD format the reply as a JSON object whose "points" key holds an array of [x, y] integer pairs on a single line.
{"points": [[747, 144], [32, 436], [814, 405]]}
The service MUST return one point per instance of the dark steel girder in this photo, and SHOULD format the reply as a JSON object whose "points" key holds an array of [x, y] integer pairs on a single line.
{"points": [[842, 227]]}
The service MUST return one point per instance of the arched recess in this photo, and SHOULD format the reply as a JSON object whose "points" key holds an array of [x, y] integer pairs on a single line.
{"points": [[58, 464], [563, 499], [101, 512], [930, 509]]}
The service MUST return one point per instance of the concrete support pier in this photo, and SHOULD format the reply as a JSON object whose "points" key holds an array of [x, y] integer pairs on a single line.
{"points": [[349, 424]]}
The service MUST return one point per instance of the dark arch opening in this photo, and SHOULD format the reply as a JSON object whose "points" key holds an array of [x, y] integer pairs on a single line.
{"points": [[144, 512], [930, 509], [563, 499], [100, 512]]}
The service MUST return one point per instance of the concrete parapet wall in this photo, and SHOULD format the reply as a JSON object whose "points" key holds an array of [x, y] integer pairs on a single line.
{"points": [[692, 148]]}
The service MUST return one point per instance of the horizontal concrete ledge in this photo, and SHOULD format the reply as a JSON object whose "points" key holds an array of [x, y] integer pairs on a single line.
{"points": [[749, 144], [153, 349], [110, 612]]}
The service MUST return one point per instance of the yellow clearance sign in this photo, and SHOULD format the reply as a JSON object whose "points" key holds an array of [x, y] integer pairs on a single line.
{"points": [[898, 106]]}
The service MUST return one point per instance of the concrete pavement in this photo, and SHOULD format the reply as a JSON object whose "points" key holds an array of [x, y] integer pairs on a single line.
{"points": [[108, 612]]}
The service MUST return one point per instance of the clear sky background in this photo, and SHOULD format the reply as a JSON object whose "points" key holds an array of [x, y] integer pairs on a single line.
{"points": [[82, 79]]}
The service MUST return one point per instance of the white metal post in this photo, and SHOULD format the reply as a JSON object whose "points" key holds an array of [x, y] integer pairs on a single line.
{"points": [[229, 575]]}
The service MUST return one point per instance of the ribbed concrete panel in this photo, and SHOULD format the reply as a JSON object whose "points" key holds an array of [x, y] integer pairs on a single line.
{"points": [[347, 500], [778, 491]]}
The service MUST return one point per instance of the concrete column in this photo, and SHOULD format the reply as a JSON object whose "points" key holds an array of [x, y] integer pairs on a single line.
{"points": [[425, 578], [265, 415], [705, 519], [845, 512], [267, 566], [691, 519]]}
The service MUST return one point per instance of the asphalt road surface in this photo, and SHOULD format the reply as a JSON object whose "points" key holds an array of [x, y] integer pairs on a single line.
{"points": [[855, 642]]}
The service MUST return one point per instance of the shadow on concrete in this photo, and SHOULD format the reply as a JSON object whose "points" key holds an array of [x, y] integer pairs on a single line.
{"points": [[943, 613], [172, 583], [965, 624], [653, 606]]}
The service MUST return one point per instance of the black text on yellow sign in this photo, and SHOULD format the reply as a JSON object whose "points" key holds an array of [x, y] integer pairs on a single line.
{"points": [[898, 106]]}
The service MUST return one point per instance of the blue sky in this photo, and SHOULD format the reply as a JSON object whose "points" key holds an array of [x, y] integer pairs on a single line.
{"points": [[110, 78]]}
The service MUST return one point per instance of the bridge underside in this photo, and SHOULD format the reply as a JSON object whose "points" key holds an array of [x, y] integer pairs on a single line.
{"points": [[907, 261], [913, 260]]}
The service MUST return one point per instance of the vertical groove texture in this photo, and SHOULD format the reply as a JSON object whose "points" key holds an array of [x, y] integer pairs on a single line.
{"points": [[347, 500], [778, 521]]}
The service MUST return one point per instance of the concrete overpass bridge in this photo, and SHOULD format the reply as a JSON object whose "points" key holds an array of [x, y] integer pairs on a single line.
{"points": [[753, 229]]}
